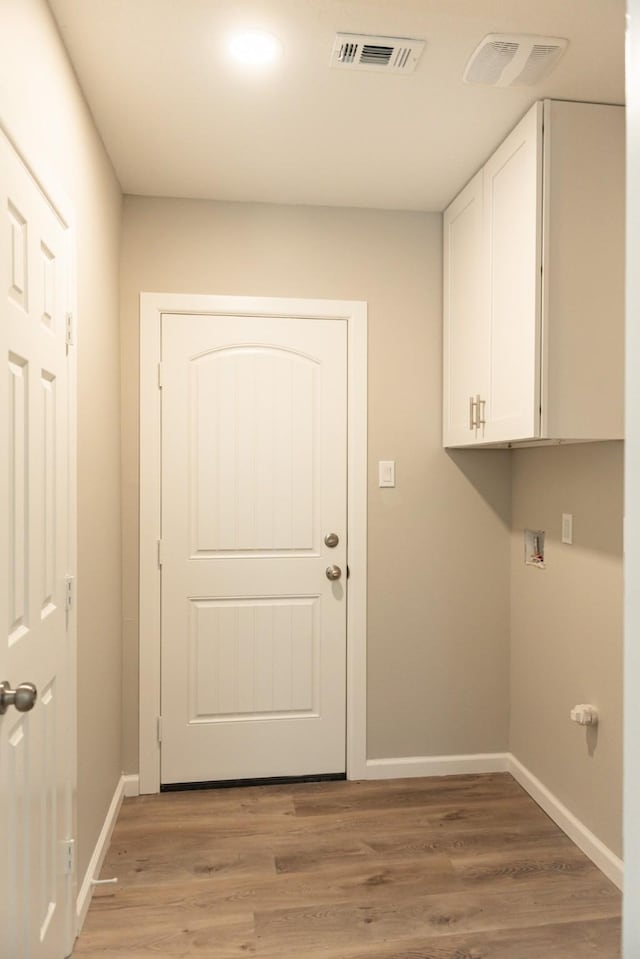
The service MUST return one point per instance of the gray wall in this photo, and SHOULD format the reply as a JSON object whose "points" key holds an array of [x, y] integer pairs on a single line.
{"points": [[438, 543], [41, 103], [566, 628]]}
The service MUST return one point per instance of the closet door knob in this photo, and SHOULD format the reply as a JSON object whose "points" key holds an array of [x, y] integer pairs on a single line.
{"points": [[23, 697]]}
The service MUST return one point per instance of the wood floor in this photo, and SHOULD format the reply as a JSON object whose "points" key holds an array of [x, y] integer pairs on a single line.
{"points": [[466, 867]]}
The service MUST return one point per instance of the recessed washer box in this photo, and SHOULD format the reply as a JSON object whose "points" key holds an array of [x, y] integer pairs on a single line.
{"points": [[534, 547]]}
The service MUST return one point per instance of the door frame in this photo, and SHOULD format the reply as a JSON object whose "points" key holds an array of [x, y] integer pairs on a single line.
{"points": [[65, 212], [354, 312], [631, 756]]}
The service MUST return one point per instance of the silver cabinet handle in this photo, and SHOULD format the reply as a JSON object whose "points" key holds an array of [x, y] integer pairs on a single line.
{"points": [[331, 540], [472, 413], [23, 697], [333, 572], [481, 412]]}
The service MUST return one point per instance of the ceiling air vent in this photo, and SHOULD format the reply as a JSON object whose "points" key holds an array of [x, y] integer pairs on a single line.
{"points": [[353, 51], [505, 60]]}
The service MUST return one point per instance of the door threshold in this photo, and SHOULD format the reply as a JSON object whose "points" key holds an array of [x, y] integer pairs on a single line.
{"points": [[268, 781]]}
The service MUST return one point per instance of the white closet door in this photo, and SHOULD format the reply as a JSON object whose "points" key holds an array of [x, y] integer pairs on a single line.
{"points": [[35, 747]]}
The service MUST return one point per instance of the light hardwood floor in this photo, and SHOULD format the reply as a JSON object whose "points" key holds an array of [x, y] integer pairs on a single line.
{"points": [[464, 867]]}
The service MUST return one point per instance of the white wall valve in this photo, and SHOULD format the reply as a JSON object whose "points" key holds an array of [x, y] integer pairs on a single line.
{"points": [[584, 714]]}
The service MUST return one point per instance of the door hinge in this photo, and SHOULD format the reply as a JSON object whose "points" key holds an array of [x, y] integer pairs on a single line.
{"points": [[69, 337], [68, 592], [68, 852], [159, 729], [159, 376], [160, 553]]}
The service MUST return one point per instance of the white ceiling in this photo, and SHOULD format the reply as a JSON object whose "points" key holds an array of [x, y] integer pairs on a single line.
{"points": [[180, 119]]}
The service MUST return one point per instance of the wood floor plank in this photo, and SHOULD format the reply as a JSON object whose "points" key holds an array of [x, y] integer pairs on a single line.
{"points": [[503, 868], [291, 931], [321, 852], [400, 842], [591, 939], [372, 879], [199, 806], [171, 934], [405, 793], [463, 867], [155, 857]]}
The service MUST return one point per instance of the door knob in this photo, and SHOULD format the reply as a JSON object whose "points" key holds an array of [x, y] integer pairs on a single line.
{"points": [[333, 572], [331, 540], [23, 697]]}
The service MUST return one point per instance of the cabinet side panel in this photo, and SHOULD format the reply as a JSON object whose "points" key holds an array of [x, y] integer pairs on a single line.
{"points": [[584, 270]]}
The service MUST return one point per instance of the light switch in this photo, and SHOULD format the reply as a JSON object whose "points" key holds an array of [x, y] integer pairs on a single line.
{"points": [[567, 528], [386, 473]]}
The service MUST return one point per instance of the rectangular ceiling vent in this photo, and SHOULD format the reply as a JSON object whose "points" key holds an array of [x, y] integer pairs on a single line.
{"points": [[354, 51], [507, 60]]}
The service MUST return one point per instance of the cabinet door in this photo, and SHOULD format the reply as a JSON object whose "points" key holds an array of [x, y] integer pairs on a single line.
{"points": [[513, 221], [465, 315]]}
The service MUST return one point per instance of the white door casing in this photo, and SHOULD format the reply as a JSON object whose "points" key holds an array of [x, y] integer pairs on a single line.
{"points": [[37, 531], [253, 478], [631, 756], [353, 314]]}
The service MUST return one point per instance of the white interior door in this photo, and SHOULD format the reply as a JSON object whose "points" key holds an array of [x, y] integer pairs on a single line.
{"points": [[35, 794], [254, 446]]}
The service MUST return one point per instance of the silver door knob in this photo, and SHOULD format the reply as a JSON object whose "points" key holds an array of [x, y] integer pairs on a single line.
{"points": [[333, 572], [331, 540], [23, 697]]}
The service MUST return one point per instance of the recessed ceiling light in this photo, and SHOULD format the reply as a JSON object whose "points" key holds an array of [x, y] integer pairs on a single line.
{"points": [[254, 48]]}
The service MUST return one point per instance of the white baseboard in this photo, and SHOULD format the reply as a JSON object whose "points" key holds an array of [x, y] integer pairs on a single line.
{"points": [[131, 785], [99, 853], [406, 766], [610, 864]]}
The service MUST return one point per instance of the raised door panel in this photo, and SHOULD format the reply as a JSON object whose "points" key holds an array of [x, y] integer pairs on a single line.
{"points": [[513, 225], [466, 344], [253, 451], [254, 658]]}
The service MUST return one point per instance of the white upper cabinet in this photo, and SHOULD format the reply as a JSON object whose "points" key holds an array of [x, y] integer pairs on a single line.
{"points": [[534, 285]]}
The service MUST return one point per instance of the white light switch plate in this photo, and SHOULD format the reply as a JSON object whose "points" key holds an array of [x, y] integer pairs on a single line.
{"points": [[567, 528], [386, 473]]}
